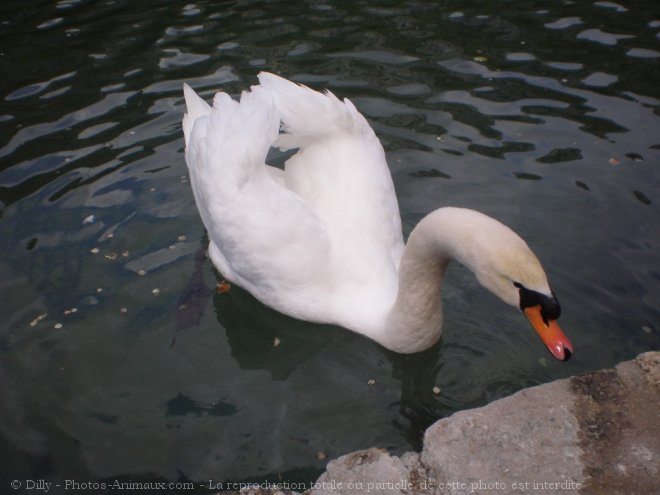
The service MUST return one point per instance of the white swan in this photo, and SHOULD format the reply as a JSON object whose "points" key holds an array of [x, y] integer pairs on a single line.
{"points": [[321, 240]]}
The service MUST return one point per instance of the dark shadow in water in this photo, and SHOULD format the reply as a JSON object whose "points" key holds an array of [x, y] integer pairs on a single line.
{"points": [[252, 329], [418, 406], [262, 338]]}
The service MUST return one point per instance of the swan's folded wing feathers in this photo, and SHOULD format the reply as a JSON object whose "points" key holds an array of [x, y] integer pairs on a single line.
{"points": [[265, 236], [308, 115], [238, 139], [340, 171], [196, 108], [223, 102]]}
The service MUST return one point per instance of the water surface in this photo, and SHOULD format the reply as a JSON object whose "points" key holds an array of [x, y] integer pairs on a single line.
{"points": [[118, 361]]}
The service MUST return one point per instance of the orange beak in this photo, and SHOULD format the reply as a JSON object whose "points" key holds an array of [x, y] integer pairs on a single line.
{"points": [[551, 335]]}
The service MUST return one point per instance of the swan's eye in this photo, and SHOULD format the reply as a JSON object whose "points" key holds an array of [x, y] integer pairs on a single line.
{"points": [[550, 309]]}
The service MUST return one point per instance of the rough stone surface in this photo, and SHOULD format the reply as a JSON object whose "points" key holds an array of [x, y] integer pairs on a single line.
{"points": [[510, 444], [619, 416], [593, 434], [373, 470]]}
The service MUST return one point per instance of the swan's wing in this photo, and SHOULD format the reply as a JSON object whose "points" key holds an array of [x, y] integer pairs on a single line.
{"points": [[308, 115], [340, 170], [263, 236], [196, 108]]}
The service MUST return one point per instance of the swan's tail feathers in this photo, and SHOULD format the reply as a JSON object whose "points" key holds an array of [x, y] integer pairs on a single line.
{"points": [[308, 115], [196, 108]]}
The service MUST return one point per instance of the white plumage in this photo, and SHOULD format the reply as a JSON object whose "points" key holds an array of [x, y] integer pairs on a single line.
{"points": [[321, 240]]}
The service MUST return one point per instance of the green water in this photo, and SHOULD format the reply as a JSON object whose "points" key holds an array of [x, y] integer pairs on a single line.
{"points": [[117, 361]]}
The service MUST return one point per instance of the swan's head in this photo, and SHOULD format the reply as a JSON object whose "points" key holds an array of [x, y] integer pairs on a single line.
{"points": [[507, 267]]}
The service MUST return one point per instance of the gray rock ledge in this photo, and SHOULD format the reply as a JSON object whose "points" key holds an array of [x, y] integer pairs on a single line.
{"points": [[596, 433]]}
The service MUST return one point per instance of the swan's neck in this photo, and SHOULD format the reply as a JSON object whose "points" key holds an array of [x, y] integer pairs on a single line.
{"points": [[415, 321]]}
